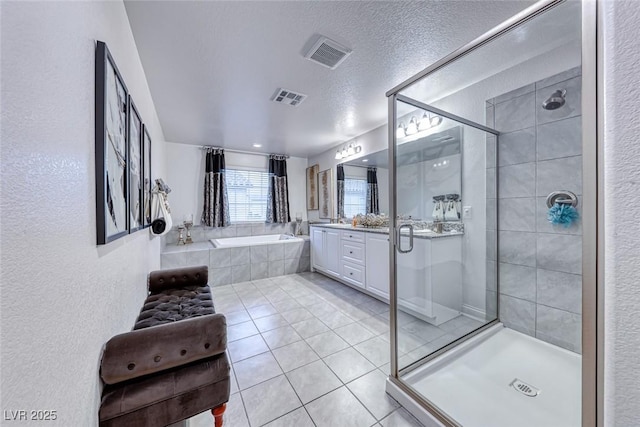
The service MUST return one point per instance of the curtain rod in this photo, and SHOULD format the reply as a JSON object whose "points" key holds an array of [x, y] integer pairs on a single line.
{"points": [[231, 150], [358, 166]]}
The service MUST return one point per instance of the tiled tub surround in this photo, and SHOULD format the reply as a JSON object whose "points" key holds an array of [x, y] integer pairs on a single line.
{"points": [[201, 234], [240, 264], [540, 264]]}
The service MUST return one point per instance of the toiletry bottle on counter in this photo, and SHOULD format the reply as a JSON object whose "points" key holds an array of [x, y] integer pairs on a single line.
{"points": [[354, 222]]}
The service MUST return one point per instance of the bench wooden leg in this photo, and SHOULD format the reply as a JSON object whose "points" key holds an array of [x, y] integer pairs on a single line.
{"points": [[217, 414]]}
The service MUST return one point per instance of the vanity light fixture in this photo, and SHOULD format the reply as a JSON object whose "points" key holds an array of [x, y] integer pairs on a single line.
{"points": [[348, 151], [257, 145], [412, 127], [365, 160], [426, 122]]}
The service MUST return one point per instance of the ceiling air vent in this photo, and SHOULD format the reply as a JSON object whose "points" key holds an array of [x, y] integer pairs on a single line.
{"points": [[285, 96], [328, 53]]}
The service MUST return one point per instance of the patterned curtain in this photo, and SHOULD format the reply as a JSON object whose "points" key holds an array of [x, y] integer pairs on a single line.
{"points": [[216, 203], [340, 191], [278, 197], [372, 191]]}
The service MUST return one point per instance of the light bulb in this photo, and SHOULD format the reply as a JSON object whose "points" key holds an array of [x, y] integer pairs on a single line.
{"points": [[351, 151], [425, 122], [436, 120], [400, 133], [345, 154], [412, 127], [338, 155]]}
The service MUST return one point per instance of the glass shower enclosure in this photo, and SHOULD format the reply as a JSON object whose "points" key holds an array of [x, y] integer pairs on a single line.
{"points": [[490, 216]]}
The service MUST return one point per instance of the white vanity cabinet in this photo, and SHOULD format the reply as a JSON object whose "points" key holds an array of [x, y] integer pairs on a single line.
{"points": [[377, 264], [352, 248], [325, 250], [429, 277]]}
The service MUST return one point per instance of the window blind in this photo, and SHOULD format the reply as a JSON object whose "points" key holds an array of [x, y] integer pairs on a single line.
{"points": [[355, 197], [247, 191]]}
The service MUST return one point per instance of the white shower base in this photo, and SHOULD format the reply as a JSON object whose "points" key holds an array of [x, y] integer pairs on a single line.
{"points": [[472, 383]]}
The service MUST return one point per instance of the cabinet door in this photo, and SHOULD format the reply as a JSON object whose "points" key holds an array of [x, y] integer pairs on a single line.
{"points": [[332, 251], [377, 264], [317, 248], [413, 272]]}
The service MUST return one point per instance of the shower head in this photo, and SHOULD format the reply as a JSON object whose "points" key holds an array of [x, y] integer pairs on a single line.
{"points": [[556, 100]]}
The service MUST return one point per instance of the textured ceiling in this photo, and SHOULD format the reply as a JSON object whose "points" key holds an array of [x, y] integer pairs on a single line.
{"points": [[213, 66]]}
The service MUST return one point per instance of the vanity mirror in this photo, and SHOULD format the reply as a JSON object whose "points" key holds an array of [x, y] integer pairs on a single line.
{"points": [[429, 175]]}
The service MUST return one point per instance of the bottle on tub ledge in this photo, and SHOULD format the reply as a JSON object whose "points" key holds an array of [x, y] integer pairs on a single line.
{"points": [[354, 222]]}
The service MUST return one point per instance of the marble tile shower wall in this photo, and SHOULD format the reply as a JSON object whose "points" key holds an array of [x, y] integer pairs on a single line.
{"points": [[241, 264], [540, 264]]}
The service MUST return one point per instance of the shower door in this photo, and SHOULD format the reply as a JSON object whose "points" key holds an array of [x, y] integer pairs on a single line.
{"points": [[437, 301], [493, 291]]}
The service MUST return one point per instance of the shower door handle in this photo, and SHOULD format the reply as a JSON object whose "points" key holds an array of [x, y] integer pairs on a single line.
{"points": [[399, 239]]}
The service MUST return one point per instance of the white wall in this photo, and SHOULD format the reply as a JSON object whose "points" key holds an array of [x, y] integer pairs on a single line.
{"points": [[62, 297], [621, 61], [185, 176]]}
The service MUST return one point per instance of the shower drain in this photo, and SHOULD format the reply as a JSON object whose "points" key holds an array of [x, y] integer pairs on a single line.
{"points": [[524, 388]]}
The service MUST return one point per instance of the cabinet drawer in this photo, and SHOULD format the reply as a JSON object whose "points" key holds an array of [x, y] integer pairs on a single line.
{"points": [[353, 251], [353, 273], [354, 236]]}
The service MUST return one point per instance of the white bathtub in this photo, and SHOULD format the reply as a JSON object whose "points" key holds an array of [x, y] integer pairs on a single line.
{"points": [[234, 242]]}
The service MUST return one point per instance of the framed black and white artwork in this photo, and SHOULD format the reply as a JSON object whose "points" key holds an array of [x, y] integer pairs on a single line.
{"points": [[134, 163], [146, 185], [112, 189]]}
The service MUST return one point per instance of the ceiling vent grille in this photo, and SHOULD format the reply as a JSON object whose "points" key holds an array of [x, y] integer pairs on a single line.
{"points": [[286, 96], [327, 53]]}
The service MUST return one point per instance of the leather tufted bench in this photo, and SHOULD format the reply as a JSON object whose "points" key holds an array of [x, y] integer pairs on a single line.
{"points": [[173, 365]]}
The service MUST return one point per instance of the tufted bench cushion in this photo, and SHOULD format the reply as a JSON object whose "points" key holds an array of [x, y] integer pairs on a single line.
{"points": [[171, 305], [173, 365], [175, 395]]}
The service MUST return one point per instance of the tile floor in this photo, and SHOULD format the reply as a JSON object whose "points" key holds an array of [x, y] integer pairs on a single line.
{"points": [[309, 351]]}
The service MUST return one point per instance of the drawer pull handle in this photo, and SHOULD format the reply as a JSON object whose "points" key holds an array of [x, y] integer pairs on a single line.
{"points": [[350, 252], [350, 274]]}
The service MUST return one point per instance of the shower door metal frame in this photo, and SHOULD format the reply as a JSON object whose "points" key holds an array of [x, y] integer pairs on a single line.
{"points": [[394, 243], [592, 218], [392, 208]]}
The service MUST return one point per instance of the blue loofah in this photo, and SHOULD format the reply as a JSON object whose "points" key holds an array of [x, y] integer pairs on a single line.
{"points": [[562, 214]]}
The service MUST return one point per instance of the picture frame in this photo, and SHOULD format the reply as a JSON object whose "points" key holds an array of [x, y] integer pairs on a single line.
{"points": [[325, 199], [312, 187], [147, 181], [135, 167], [111, 149]]}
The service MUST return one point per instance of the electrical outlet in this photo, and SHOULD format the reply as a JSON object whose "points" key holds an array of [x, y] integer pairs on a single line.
{"points": [[466, 212]]}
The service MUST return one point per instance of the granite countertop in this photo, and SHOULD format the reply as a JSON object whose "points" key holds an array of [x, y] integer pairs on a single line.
{"points": [[418, 234]]}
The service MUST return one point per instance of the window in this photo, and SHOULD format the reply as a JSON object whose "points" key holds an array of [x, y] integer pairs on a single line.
{"points": [[355, 197], [247, 191]]}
